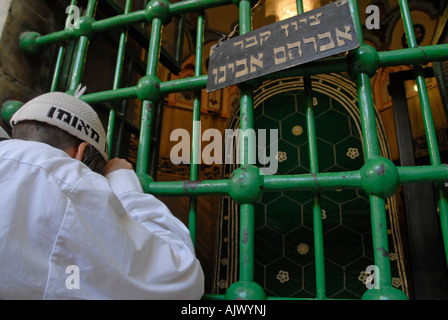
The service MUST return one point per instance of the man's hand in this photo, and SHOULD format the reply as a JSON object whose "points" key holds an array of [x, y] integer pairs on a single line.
{"points": [[116, 164]]}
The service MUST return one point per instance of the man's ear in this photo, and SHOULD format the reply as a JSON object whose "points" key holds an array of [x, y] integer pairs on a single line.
{"points": [[78, 155]]}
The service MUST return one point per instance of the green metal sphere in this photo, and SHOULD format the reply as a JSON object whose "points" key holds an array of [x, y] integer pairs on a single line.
{"points": [[84, 27], [243, 290], [28, 42], [379, 176], [158, 9], [365, 59], [9, 108], [384, 294], [246, 185], [148, 88]]}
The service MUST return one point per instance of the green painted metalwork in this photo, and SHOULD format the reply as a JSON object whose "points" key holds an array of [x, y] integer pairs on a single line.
{"points": [[379, 177]]}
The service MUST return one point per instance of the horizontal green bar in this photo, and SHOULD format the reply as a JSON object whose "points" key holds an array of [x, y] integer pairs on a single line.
{"points": [[185, 84], [189, 188], [110, 95], [195, 5], [119, 21], [423, 174], [57, 36], [313, 182], [127, 19], [416, 55], [316, 182]]}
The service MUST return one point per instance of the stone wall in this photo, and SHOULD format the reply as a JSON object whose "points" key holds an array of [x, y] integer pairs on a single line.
{"points": [[23, 77]]}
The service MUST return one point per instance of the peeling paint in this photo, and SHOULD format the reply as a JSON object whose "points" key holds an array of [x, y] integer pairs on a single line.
{"points": [[245, 236], [380, 170], [383, 251]]}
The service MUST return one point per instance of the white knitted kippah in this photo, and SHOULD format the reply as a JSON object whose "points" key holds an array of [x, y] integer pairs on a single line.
{"points": [[67, 113]]}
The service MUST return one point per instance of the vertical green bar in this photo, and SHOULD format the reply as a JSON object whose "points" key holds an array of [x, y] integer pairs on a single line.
{"points": [[147, 105], [317, 211], [428, 122], [196, 136], [78, 62], [377, 205], [246, 123], [117, 79], [314, 168], [59, 61]]}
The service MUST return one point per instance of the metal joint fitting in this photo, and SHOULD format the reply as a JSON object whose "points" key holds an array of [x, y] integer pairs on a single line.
{"points": [[379, 176], [246, 185], [148, 88], [28, 43], [158, 9], [245, 290], [9, 108], [365, 59], [83, 27]]}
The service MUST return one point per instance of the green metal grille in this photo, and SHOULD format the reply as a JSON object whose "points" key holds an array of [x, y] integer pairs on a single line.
{"points": [[379, 177]]}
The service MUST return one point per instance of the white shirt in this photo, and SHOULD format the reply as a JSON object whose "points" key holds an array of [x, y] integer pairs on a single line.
{"points": [[3, 133], [69, 233]]}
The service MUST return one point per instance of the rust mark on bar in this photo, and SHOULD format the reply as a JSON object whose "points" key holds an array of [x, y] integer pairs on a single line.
{"points": [[245, 236], [192, 184], [383, 251], [315, 180]]}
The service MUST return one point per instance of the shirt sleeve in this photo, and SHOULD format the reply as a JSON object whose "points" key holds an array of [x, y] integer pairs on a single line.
{"points": [[147, 209], [126, 245]]}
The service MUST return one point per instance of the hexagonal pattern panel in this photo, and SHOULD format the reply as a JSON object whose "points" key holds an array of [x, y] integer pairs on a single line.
{"points": [[284, 236], [343, 245], [284, 214]]}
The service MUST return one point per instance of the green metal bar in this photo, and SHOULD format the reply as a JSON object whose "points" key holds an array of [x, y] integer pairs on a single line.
{"points": [[423, 174], [195, 5], [247, 211], [79, 60], [428, 122], [317, 210], [119, 21], [371, 151], [117, 79], [314, 168], [59, 61], [415, 55], [147, 105], [313, 182], [57, 69], [188, 188], [196, 136], [380, 244], [110, 95]]}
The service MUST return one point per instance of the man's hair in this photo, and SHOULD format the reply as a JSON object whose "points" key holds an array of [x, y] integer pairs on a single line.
{"points": [[57, 138]]}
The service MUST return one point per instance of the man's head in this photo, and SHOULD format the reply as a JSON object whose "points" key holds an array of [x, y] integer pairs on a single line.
{"points": [[64, 122]]}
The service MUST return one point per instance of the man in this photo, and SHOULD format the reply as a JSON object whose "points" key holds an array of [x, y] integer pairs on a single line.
{"points": [[67, 232]]}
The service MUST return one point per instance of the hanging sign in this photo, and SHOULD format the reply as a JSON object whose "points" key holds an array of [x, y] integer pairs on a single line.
{"points": [[310, 36]]}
